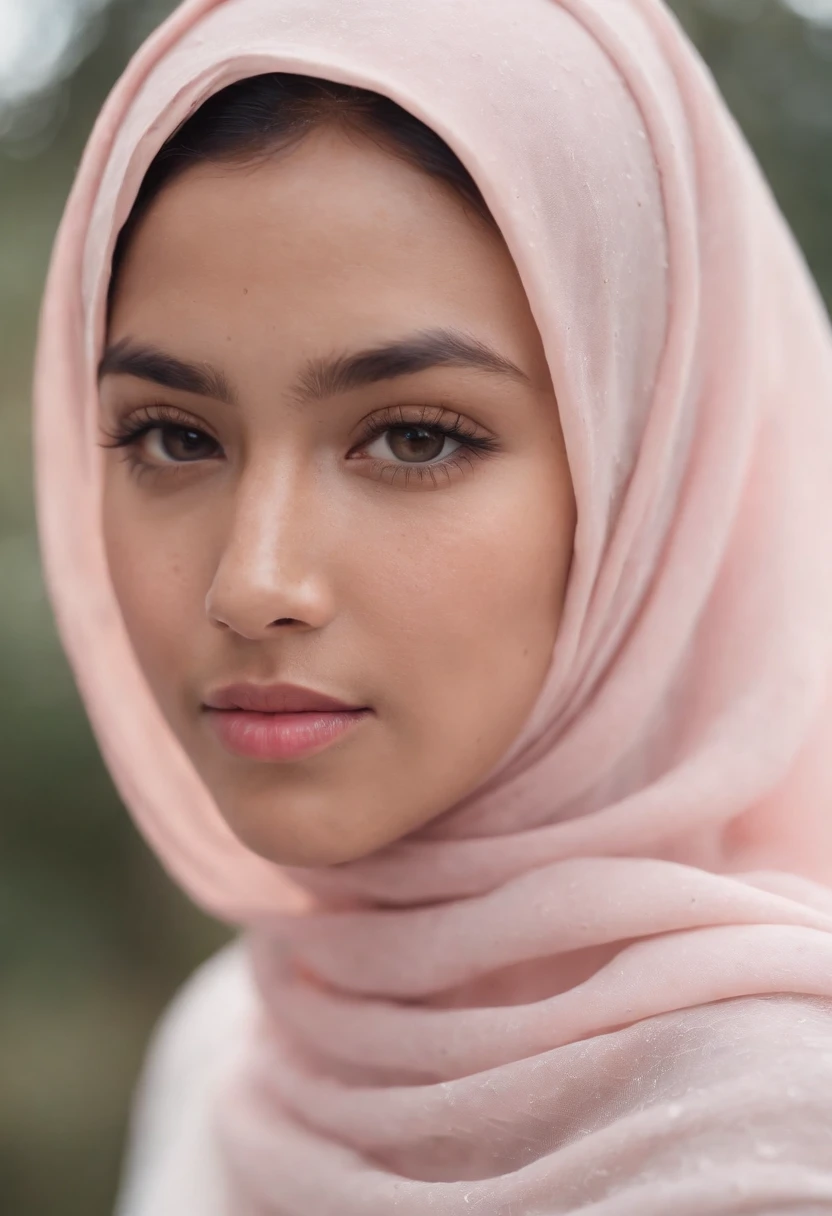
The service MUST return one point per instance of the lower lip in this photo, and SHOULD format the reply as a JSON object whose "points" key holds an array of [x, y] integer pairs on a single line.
{"points": [[282, 736]]}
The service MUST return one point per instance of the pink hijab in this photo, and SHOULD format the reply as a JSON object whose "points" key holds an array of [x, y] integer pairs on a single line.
{"points": [[603, 982]]}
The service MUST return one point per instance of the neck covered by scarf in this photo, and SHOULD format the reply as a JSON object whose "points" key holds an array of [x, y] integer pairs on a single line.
{"points": [[603, 982]]}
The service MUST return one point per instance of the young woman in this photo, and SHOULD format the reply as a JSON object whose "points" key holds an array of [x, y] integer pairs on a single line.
{"points": [[434, 441]]}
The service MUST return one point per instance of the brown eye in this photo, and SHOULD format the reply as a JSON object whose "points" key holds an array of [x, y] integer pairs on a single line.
{"points": [[180, 444], [415, 444]]}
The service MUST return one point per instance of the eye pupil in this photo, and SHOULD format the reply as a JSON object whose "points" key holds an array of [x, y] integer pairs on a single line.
{"points": [[415, 443], [180, 443]]}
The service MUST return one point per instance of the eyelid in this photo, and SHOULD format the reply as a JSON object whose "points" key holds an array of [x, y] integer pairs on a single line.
{"points": [[439, 416], [160, 412], [473, 443], [134, 426], [427, 472]]}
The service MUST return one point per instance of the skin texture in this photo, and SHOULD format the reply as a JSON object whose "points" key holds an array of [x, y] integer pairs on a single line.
{"points": [[280, 547]]}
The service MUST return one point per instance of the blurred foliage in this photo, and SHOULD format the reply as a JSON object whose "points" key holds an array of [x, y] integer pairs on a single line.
{"points": [[93, 937]]}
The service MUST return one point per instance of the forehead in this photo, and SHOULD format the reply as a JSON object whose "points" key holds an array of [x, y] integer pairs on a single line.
{"points": [[330, 190], [336, 235]]}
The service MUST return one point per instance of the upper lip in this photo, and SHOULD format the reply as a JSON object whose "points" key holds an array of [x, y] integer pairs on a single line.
{"points": [[274, 699]]}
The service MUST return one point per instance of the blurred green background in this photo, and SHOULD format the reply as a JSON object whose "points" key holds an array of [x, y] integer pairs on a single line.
{"points": [[93, 938]]}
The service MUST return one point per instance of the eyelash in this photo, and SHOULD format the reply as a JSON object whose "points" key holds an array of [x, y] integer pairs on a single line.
{"points": [[434, 419], [129, 432]]}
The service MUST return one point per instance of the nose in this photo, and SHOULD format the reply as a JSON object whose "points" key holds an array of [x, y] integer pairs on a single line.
{"points": [[267, 576]]}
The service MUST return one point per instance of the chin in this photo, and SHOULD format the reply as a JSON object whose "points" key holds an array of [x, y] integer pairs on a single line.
{"points": [[298, 836]]}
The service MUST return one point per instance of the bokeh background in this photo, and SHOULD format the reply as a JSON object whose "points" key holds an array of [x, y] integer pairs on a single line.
{"points": [[93, 938]]}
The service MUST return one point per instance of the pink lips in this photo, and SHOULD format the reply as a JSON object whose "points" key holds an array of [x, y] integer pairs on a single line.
{"points": [[279, 721]]}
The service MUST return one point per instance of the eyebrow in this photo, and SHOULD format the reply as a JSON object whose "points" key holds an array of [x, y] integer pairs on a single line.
{"points": [[405, 357], [321, 377], [128, 358]]}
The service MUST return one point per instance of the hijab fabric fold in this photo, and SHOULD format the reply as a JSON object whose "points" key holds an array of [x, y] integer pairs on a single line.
{"points": [[603, 982]]}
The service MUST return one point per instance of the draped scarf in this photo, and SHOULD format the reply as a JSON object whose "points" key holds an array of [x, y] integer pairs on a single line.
{"points": [[602, 982]]}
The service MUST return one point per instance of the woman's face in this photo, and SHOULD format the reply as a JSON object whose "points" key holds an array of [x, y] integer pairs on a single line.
{"points": [[343, 470]]}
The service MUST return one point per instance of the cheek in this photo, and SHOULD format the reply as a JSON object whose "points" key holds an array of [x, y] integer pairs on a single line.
{"points": [[157, 585], [469, 609]]}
